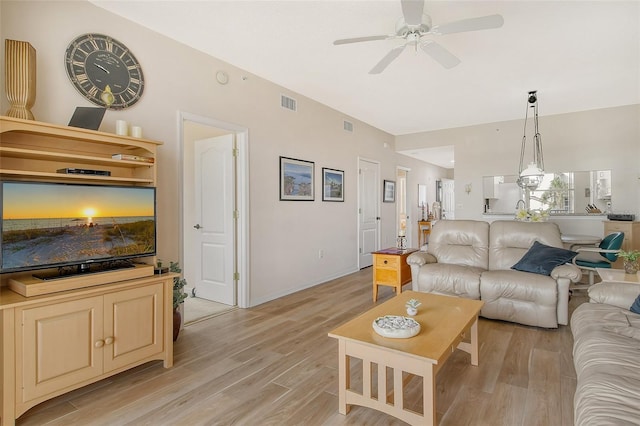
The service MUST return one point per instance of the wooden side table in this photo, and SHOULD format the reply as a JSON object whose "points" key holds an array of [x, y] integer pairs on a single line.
{"points": [[390, 268]]}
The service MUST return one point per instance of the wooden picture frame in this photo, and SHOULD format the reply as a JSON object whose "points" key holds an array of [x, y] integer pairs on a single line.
{"points": [[389, 191], [332, 185], [297, 179]]}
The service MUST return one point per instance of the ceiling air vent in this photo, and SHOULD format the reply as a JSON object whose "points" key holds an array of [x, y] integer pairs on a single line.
{"points": [[288, 103], [348, 126]]}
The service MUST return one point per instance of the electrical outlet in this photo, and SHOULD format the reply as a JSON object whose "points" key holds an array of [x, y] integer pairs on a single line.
{"points": [[320, 254]]}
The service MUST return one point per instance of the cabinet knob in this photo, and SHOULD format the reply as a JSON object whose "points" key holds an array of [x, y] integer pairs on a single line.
{"points": [[386, 261], [108, 340], [99, 343]]}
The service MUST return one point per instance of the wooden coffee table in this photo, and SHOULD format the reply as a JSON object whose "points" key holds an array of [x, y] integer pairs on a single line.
{"points": [[444, 322]]}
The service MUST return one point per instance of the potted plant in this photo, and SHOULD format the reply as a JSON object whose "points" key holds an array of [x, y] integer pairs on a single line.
{"points": [[412, 306], [178, 296], [630, 260]]}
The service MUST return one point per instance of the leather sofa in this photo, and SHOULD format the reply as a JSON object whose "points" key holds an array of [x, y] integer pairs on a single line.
{"points": [[606, 352], [473, 259]]}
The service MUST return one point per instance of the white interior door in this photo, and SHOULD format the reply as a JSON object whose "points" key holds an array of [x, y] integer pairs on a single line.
{"points": [[213, 224], [448, 199], [368, 216]]}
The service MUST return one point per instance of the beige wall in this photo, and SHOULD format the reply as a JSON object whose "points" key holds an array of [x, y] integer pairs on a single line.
{"points": [[590, 140], [285, 237]]}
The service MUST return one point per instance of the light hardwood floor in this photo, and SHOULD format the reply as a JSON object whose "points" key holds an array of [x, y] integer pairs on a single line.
{"points": [[274, 365]]}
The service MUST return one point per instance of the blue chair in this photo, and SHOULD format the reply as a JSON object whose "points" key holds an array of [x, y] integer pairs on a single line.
{"points": [[590, 258]]}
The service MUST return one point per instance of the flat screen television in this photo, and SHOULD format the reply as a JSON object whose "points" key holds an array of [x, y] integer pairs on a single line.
{"points": [[74, 227]]}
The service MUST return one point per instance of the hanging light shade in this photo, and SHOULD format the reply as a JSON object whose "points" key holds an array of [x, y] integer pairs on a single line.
{"points": [[531, 176]]}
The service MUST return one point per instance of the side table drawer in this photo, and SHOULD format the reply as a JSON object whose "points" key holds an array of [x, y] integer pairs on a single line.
{"points": [[390, 262]]}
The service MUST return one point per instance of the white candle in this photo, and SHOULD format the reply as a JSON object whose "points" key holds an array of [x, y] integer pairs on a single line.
{"points": [[122, 128], [136, 131]]}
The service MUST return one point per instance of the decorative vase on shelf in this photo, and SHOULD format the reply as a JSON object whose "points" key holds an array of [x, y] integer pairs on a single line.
{"points": [[630, 267], [20, 78]]}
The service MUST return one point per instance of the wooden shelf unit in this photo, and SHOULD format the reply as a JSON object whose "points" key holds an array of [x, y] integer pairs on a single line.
{"points": [[35, 151], [106, 340]]}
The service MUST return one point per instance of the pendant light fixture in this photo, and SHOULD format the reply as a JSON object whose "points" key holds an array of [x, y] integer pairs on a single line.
{"points": [[531, 176]]}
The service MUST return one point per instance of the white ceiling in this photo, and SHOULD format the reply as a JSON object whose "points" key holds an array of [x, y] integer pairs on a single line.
{"points": [[579, 55]]}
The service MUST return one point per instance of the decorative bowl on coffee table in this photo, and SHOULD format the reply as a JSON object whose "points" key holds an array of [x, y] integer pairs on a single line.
{"points": [[396, 327]]}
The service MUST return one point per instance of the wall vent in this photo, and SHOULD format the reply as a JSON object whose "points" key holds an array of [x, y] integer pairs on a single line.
{"points": [[288, 103], [348, 126]]}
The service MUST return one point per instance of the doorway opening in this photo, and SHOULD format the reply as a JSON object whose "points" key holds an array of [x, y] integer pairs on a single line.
{"points": [[214, 216]]}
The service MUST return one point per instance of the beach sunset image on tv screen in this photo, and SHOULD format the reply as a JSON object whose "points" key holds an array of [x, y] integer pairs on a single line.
{"points": [[57, 224]]}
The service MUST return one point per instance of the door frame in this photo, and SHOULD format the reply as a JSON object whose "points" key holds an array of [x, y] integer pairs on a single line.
{"points": [[241, 252]]}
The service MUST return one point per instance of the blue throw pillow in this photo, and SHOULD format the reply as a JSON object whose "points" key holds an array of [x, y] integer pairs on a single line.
{"points": [[636, 306], [541, 259]]}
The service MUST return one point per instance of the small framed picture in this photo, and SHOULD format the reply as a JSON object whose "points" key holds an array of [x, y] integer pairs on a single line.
{"points": [[389, 192], [296, 179], [332, 185]]}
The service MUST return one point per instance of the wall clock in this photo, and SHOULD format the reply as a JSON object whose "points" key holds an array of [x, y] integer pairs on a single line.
{"points": [[104, 71]]}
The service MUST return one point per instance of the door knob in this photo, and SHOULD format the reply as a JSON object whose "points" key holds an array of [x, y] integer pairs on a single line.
{"points": [[197, 226]]}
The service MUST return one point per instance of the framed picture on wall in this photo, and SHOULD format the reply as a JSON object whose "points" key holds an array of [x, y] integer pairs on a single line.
{"points": [[389, 191], [296, 179], [332, 185]]}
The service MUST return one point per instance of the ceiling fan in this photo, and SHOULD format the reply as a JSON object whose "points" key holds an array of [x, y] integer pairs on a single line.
{"points": [[414, 25]]}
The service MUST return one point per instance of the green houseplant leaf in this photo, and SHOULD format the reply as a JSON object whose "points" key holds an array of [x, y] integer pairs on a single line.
{"points": [[178, 285], [630, 256]]}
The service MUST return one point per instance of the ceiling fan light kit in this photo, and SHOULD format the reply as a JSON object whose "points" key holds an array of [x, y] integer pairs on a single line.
{"points": [[414, 25]]}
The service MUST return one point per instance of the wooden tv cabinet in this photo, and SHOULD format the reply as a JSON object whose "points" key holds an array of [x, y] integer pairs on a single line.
{"points": [[75, 331], [58, 342]]}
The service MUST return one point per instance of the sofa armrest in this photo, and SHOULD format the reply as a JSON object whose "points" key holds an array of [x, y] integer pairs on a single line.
{"points": [[567, 270], [621, 295], [420, 258]]}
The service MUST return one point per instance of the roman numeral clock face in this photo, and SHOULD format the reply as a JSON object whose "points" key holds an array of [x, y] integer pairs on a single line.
{"points": [[104, 71]]}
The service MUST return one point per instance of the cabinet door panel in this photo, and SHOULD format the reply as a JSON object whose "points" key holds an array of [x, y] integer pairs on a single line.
{"points": [[58, 345], [134, 319]]}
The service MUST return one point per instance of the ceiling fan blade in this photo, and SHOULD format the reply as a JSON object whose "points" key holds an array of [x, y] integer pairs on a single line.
{"points": [[359, 39], [389, 57], [412, 11], [440, 54], [472, 24]]}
